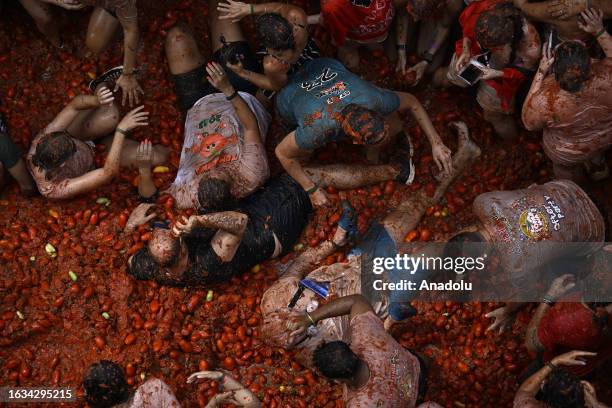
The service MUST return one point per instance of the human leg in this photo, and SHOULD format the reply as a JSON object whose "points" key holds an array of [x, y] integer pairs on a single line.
{"points": [[347, 176], [101, 29], [95, 123], [45, 20]]}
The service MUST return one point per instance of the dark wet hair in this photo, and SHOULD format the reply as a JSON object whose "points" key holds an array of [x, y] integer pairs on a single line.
{"points": [[53, 150], [562, 389], [214, 195], [422, 9], [275, 32], [455, 247], [336, 360], [143, 266], [571, 65], [105, 385], [495, 28], [363, 125]]}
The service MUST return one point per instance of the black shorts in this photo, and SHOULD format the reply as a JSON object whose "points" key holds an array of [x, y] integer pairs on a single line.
{"points": [[192, 86], [10, 153]]}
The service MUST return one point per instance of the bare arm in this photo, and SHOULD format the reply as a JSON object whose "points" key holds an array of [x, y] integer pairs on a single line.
{"points": [[535, 11], [591, 21], [273, 79], [403, 21], [531, 386], [218, 78], [533, 116], [144, 159], [130, 44], [410, 102], [353, 305], [288, 154], [532, 343], [237, 10], [67, 115], [232, 222]]}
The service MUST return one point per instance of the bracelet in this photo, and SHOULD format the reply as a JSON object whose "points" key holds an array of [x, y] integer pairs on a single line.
{"points": [[428, 57], [123, 132], [232, 96], [311, 319], [599, 34], [252, 9], [551, 365], [548, 301], [312, 189], [400, 47]]}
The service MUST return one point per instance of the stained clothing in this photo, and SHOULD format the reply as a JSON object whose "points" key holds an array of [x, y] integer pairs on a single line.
{"points": [[525, 400], [214, 147], [364, 21], [580, 125], [80, 163], [394, 371], [281, 208], [558, 211], [497, 95], [123, 10], [571, 325], [313, 99], [154, 393]]}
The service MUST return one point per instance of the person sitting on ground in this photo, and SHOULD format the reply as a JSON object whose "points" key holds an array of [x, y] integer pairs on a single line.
{"points": [[563, 16], [573, 105], [325, 102], [61, 158], [12, 161], [435, 19], [103, 24], [372, 366], [282, 30], [105, 386], [345, 278], [231, 391], [567, 320], [355, 23], [557, 387], [510, 45], [227, 238]]}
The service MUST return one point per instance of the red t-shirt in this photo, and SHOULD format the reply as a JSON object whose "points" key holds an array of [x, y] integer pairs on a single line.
{"points": [[357, 20], [571, 326]]}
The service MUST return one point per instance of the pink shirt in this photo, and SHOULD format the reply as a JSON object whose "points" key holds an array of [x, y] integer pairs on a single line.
{"points": [[394, 371], [154, 393]]}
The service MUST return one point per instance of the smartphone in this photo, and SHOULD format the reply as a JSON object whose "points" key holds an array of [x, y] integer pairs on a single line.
{"points": [[550, 41], [472, 72], [321, 289]]}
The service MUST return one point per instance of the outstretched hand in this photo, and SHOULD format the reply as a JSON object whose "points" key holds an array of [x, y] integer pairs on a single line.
{"points": [[233, 10], [133, 119], [139, 216], [218, 78], [547, 60], [442, 157], [591, 21], [573, 358], [564, 9], [502, 319], [129, 89], [70, 4], [104, 95]]}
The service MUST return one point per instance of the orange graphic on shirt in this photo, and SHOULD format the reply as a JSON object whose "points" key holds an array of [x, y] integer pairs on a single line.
{"points": [[213, 148]]}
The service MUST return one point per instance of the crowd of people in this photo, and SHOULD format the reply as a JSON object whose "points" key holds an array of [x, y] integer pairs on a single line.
{"points": [[549, 60]]}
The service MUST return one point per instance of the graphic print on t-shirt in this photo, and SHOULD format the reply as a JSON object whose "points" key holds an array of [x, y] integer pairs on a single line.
{"points": [[535, 223], [215, 144]]}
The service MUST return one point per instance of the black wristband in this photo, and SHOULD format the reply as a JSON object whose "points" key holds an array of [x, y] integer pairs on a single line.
{"points": [[124, 132], [232, 96], [428, 57], [548, 301]]}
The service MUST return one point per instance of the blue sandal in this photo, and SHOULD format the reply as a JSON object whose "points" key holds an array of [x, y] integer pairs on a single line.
{"points": [[348, 222]]}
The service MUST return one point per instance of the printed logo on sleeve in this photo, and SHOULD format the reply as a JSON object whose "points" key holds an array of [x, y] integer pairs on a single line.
{"points": [[554, 212]]}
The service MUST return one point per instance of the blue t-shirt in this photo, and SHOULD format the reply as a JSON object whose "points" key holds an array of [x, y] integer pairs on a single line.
{"points": [[313, 99]]}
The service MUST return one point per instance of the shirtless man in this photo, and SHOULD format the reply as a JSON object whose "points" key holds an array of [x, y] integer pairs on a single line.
{"points": [[282, 30], [11, 161], [107, 16], [61, 158], [563, 15], [435, 19], [325, 102], [573, 105], [372, 366], [105, 386], [513, 44], [382, 239]]}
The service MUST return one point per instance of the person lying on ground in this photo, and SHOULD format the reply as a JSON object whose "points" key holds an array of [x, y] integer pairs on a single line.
{"points": [[61, 158], [12, 161], [353, 24], [325, 103], [282, 30], [563, 16], [433, 20], [105, 386], [231, 391], [570, 100], [509, 47], [106, 17], [565, 321], [345, 278], [224, 241], [223, 146], [371, 366], [557, 387]]}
